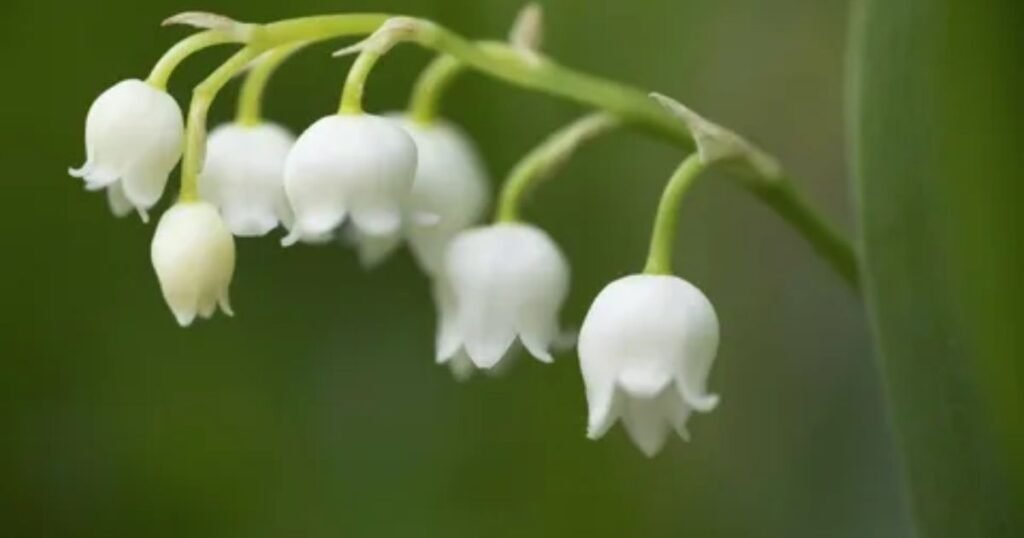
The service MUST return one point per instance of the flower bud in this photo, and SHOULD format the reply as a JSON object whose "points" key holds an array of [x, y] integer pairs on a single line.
{"points": [[133, 137], [646, 348], [359, 167], [244, 176], [500, 282], [193, 254]]}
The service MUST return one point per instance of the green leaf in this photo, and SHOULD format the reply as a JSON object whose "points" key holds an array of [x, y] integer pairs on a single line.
{"points": [[937, 116]]}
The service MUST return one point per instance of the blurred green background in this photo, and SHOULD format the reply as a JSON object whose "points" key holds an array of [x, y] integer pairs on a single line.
{"points": [[318, 411]]}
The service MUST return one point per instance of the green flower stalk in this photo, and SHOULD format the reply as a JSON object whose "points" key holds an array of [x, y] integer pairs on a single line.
{"points": [[359, 168]]}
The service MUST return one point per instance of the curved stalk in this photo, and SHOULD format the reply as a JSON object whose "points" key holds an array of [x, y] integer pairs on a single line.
{"points": [[195, 133], [264, 38], [544, 160], [355, 84], [630, 105], [192, 44], [782, 196], [250, 98], [430, 87], [663, 238]]}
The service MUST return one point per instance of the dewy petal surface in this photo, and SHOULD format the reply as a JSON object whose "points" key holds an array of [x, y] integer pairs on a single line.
{"points": [[244, 176], [503, 278], [648, 343], [193, 254], [134, 135]]}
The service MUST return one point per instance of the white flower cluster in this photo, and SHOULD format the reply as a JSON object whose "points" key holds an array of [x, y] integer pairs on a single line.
{"points": [[645, 347]]}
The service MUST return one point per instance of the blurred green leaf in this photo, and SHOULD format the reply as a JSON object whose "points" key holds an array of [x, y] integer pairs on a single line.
{"points": [[937, 107]]}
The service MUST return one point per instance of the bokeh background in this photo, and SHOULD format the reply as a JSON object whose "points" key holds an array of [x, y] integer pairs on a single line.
{"points": [[318, 410]]}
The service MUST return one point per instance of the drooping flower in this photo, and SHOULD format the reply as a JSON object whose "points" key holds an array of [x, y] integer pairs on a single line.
{"points": [[449, 194], [134, 134], [498, 283], [460, 365], [646, 348], [244, 176], [193, 254], [355, 166]]}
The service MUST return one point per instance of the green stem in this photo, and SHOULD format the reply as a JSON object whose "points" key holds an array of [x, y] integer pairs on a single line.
{"points": [[663, 238], [318, 28], [634, 107], [195, 133], [355, 84], [171, 59], [543, 160], [264, 38], [782, 196], [430, 87], [534, 72], [250, 99]]}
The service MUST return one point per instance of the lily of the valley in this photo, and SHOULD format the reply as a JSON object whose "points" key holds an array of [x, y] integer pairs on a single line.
{"points": [[646, 348], [134, 134], [356, 167], [244, 176], [500, 283], [193, 254], [449, 194]]}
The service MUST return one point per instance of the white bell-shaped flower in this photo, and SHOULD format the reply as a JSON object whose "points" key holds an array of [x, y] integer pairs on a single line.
{"points": [[193, 254], [460, 365], [244, 176], [503, 281], [450, 192], [133, 138], [646, 348], [358, 167]]}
